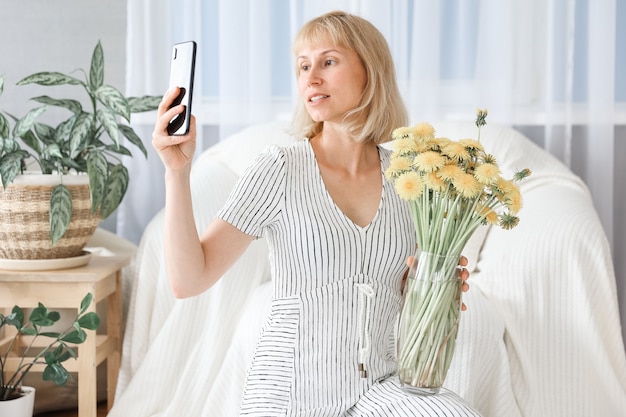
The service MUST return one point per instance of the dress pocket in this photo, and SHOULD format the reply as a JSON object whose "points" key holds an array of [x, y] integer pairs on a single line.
{"points": [[270, 376], [326, 355]]}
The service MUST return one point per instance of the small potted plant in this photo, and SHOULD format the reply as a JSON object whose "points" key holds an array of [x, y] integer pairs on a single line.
{"points": [[18, 358], [88, 145]]}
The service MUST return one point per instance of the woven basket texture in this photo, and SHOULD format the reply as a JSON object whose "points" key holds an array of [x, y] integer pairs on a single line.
{"points": [[25, 223]]}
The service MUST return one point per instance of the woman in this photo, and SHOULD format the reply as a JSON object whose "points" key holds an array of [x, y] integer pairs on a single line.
{"points": [[338, 235]]}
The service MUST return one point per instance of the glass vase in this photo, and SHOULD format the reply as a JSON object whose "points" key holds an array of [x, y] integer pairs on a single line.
{"points": [[428, 324]]}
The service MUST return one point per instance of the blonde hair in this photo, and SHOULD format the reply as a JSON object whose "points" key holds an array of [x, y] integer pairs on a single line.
{"points": [[381, 108]]}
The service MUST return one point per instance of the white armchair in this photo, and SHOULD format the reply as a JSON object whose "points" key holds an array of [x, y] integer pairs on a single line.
{"points": [[541, 336]]}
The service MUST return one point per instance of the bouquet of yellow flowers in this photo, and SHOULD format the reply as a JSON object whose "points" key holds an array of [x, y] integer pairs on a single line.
{"points": [[452, 187]]}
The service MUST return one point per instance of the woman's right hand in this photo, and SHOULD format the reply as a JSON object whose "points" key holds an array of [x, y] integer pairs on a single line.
{"points": [[176, 151]]}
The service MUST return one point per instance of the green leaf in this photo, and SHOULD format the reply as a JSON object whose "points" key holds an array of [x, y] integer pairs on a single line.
{"points": [[53, 356], [72, 353], [56, 373], [28, 331], [81, 131], [60, 212], [44, 132], [143, 104], [54, 316], [98, 171], [16, 318], [53, 335], [115, 189], [4, 127], [25, 123], [130, 134], [64, 129], [10, 145], [89, 321], [68, 354], [107, 118], [114, 100], [49, 78], [40, 316], [75, 336], [85, 303], [72, 105], [1, 85], [96, 72], [122, 150], [31, 141], [52, 151], [10, 166], [79, 165]]}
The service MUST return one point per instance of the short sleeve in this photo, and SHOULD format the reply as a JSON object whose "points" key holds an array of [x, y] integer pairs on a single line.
{"points": [[257, 200]]}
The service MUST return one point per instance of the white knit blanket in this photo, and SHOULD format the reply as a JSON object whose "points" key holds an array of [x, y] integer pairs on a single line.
{"points": [[541, 336]]}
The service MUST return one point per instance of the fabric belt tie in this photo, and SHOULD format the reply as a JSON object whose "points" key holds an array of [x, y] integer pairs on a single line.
{"points": [[366, 293]]}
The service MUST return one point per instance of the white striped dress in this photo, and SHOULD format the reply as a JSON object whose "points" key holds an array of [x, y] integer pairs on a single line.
{"points": [[336, 296]]}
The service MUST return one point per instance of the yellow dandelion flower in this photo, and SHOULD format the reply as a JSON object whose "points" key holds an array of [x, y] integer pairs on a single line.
{"points": [[487, 174], [513, 199], [501, 188], [409, 186], [492, 218], [488, 213], [490, 159], [472, 144], [456, 151], [424, 131], [422, 146], [449, 172], [434, 182], [403, 145], [402, 132], [437, 144], [397, 166], [467, 185], [429, 161], [506, 186]]}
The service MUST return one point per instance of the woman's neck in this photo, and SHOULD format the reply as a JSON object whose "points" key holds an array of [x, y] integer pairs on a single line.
{"points": [[337, 148]]}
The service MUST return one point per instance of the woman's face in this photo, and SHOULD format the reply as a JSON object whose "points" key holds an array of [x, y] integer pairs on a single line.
{"points": [[331, 81]]}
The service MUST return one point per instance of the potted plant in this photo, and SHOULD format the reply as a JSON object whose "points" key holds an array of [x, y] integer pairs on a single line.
{"points": [[18, 358], [87, 143]]}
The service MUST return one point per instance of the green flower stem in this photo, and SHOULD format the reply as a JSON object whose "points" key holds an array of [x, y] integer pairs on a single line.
{"points": [[444, 222], [429, 321], [22, 368]]}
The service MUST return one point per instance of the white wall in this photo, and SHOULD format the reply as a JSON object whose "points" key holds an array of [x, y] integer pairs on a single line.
{"points": [[58, 35]]}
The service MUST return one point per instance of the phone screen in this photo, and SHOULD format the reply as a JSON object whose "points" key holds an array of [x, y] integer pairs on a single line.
{"points": [[182, 70]]}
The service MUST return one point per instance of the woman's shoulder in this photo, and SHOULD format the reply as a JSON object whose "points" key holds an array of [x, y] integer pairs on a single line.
{"points": [[278, 157], [277, 149], [286, 152]]}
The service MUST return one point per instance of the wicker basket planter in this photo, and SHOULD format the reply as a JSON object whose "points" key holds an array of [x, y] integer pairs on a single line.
{"points": [[25, 218]]}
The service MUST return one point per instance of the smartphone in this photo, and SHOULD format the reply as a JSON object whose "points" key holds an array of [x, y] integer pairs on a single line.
{"points": [[182, 70]]}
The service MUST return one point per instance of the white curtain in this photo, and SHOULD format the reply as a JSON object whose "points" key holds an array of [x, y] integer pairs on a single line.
{"points": [[545, 66]]}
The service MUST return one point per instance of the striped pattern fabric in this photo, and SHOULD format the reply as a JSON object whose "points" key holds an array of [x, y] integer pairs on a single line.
{"points": [[336, 295], [541, 336]]}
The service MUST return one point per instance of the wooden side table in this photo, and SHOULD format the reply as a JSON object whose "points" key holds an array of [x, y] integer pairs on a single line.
{"points": [[65, 288]]}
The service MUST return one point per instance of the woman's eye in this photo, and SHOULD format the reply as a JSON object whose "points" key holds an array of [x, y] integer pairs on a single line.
{"points": [[304, 67], [329, 62]]}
